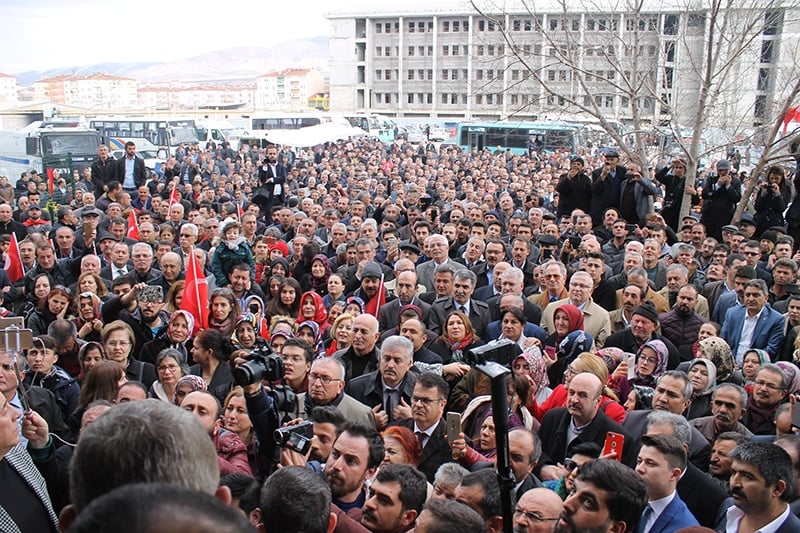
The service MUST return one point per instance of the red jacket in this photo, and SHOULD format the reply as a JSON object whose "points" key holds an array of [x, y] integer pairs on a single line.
{"points": [[231, 453]]}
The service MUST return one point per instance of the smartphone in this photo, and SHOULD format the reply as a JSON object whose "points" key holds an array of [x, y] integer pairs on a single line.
{"points": [[574, 241], [630, 228], [631, 358], [394, 196], [614, 442], [453, 426], [547, 253]]}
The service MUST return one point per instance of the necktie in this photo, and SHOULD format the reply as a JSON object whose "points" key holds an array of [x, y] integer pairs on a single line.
{"points": [[462, 309], [389, 404], [120, 272], [648, 512], [421, 438]]}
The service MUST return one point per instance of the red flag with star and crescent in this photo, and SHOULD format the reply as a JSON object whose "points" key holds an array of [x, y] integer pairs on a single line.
{"points": [[13, 265], [133, 226], [195, 294]]}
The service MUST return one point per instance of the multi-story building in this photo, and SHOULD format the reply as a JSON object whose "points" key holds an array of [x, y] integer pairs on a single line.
{"points": [[8, 90], [169, 95], [288, 90], [95, 91], [531, 63]]}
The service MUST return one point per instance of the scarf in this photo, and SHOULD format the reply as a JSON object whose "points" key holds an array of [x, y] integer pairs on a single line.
{"points": [[223, 326], [320, 283], [759, 415], [719, 352], [457, 347], [663, 358], [234, 244]]}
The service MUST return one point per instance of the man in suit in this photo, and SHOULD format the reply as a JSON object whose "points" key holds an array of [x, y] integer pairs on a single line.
{"points": [[756, 325], [24, 501], [607, 184], [326, 387], [761, 481], [487, 292], [511, 282], [769, 391], [494, 253], [272, 182], [582, 411], [555, 278], [477, 312], [388, 390], [701, 494], [438, 256], [405, 289], [661, 462], [130, 170], [427, 407], [524, 452], [672, 394]]}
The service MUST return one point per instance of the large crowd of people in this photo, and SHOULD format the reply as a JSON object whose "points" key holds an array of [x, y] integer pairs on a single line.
{"points": [[654, 389]]}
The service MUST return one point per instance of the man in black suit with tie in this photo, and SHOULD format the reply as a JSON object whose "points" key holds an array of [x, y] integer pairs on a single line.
{"points": [[130, 171], [463, 286], [427, 407], [272, 182]]}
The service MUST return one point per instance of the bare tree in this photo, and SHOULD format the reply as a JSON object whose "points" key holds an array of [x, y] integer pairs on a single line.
{"points": [[628, 54]]}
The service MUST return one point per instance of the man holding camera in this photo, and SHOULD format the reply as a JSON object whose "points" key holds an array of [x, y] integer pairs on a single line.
{"points": [[721, 194], [635, 189], [606, 186]]}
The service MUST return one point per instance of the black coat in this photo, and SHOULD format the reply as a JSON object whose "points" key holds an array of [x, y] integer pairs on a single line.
{"points": [[575, 193], [103, 173], [368, 389], [139, 171], [436, 451], [719, 205], [701, 494], [554, 436], [699, 448]]}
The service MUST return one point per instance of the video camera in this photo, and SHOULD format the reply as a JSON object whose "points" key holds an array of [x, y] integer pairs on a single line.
{"points": [[502, 351], [263, 365], [297, 437]]}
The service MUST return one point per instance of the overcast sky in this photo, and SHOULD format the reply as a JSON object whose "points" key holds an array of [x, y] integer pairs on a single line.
{"points": [[43, 34]]}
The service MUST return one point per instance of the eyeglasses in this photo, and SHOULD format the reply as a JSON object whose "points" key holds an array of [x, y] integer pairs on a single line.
{"points": [[63, 288], [325, 380], [427, 402], [533, 517], [770, 386], [118, 344], [168, 368], [570, 465], [649, 360], [750, 253]]}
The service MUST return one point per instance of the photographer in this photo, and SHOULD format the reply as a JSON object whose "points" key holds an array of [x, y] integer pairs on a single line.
{"points": [[773, 198], [263, 411], [673, 177], [721, 193]]}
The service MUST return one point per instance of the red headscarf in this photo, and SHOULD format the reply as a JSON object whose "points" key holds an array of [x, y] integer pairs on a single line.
{"points": [[574, 315], [320, 316]]}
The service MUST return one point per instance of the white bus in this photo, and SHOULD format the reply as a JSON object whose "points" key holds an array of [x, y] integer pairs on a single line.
{"points": [[163, 133]]}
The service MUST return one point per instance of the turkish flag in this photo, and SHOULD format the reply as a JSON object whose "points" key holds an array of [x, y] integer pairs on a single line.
{"points": [[793, 113], [133, 226], [13, 265], [373, 307], [195, 294], [51, 180], [173, 198]]}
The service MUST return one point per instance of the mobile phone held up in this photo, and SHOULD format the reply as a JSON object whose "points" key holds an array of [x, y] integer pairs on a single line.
{"points": [[453, 426], [614, 443]]}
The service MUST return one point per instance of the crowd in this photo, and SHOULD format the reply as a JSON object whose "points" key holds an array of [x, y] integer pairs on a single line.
{"points": [[360, 277]]}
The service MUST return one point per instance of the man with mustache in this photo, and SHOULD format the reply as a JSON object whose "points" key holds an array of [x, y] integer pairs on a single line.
{"points": [[355, 456], [761, 482], [720, 464], [608, 497], [727, 409], [769, 390], [388, 390]]}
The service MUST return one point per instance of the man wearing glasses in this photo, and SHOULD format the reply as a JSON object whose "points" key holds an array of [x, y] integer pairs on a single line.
{"points": [[427, 407], [769, 391], [537, 511], [326, 387]]}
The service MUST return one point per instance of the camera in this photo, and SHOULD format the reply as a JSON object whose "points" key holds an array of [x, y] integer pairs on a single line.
{"points": [[297, 437], [254, 308], [502, 351], [261, 365]]}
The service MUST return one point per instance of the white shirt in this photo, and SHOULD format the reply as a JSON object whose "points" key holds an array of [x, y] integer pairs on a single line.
{"points": [[658, 507], [734, 515], [746, 338], [428, 432], [458, 306]]}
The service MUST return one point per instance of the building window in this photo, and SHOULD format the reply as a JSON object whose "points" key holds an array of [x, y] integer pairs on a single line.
{"points": [[766, 51], [490, 74], [410, 51], [410, 98], [430, 98], [378, 51], [378, 28], [514, 99], [421, 74], [456, 26], [445, 75], [430, 50], [455, 50], [411, 27], [515, 75], [445, 26], [454, 74], [445, 50], [499, 98], [421, 50], [481, 25], [551, 75], [444, 98], [479, 50], [420, 27], [671, 25], [490, 50], [516, 25], [430, 74], [387, 28], [387, 74], [465, 25], [489, 99], [410, 74], [479, 99], [478, 74], [378, 74], [387, 51]]}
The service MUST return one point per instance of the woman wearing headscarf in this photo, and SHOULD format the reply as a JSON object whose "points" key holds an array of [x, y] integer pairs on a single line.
{"points": [[187, 384], [308, 330], [651, 363], [719, 352], [312, 309], [566, 319], [255, 305], [640, 398], [753, 360], [792, 376], [176, 333], [317, 279], [531, 366], [703, 375]]}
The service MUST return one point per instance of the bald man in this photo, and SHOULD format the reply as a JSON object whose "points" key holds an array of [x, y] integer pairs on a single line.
{"points": [[537, 511]]}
